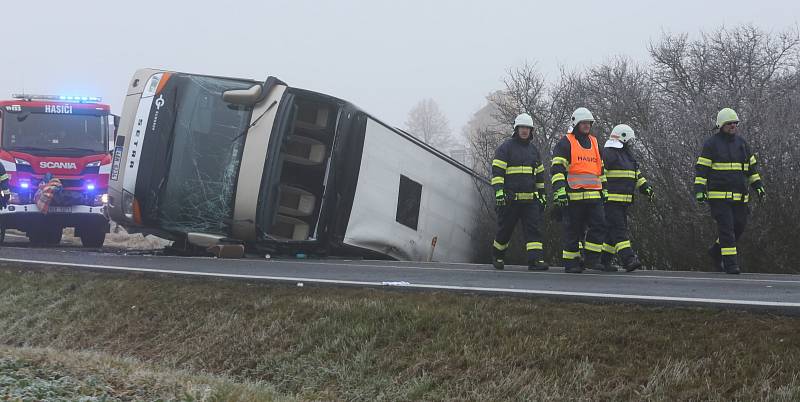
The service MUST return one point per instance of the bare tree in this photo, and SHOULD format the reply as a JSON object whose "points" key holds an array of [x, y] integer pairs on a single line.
{"points": [[671, 103], [756, 73], [483, 133], [427, 122], [526, 91]]}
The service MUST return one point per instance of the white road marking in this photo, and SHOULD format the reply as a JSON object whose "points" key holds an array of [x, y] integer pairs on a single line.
{"points": [[486, 269], [611, 296]]}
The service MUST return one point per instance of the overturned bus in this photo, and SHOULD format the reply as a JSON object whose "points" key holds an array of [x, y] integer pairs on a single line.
{"points": [[203, 159]]}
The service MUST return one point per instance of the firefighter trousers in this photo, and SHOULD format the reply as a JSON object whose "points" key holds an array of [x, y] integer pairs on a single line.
{"points": [[583, 220], [731, 217], [507, 217], [617, 240]]}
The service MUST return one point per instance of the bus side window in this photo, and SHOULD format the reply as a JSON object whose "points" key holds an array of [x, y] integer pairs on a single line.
{"points": [[409, 197]]}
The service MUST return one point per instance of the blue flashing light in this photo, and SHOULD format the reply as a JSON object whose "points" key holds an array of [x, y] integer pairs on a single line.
{"points": [[95, 99], [90, 186], [24, 184]]}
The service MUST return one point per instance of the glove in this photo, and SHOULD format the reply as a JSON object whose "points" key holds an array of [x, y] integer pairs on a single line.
{"points": [[560, 197], [650, 193], [605, 196], [701, 197], [542, 200], [500, 198], [762, 194]]}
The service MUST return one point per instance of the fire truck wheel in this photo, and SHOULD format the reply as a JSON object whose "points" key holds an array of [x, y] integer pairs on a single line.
{"points": [[93, 238], [53, 236], [50, 236]]}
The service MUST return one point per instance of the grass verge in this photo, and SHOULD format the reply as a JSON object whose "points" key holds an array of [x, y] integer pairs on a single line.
{"points": [[325, 343], [36, 374]]}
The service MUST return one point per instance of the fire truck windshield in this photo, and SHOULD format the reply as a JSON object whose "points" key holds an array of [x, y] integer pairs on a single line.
{"points": [[55, 133]]}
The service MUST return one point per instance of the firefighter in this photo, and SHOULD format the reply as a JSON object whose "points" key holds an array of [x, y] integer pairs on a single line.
{"points": [[724, 170], [518, 181], [579, 189], [624, 178], [5, 196], [5, 192]]}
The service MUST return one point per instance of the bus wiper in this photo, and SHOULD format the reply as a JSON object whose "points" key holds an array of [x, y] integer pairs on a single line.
{"points": [[255, 121]]}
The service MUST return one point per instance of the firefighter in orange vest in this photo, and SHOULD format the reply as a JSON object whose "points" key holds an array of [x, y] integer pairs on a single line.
{"points": [[579, 189]]}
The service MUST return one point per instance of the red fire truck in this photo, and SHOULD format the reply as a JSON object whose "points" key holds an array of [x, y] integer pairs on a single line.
{"points": [[63, 137]]}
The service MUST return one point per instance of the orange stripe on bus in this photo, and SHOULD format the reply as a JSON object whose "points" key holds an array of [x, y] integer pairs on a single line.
{"points": [[164, 79]]}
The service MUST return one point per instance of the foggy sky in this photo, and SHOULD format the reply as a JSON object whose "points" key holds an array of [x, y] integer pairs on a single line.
{"points": [[383, 56]]}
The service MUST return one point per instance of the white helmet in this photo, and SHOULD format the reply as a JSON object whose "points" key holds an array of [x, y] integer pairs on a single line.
{"points": [[622, 133], [523, 120], [581, 114]]}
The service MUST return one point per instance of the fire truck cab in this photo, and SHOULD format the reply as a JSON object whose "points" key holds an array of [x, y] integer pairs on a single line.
{"points": [[63, 137]]}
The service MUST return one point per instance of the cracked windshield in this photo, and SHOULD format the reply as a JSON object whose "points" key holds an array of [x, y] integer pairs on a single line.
{"points": [[209, 136]]}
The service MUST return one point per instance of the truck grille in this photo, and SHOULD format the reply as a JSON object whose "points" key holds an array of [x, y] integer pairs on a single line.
{"points": [[72, 183], [67, 197]]}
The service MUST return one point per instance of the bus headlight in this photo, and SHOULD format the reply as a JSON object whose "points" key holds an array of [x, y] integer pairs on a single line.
{"points": [[152, 85], [127, 204]]}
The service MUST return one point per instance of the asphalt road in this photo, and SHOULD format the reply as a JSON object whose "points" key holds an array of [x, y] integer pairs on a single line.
{"points": [[759, 291]]}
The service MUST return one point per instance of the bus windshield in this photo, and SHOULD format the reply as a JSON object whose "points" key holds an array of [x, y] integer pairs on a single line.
{"points": [[207, 140], [55, 133]]}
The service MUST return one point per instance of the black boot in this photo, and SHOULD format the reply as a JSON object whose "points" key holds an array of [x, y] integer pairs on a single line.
{"points": [[595, 265], [632, 264], [538, 266], [498, 263], [732, 269], [608, 262], [573, 267], [731, 263], [610, 267], [604, 266]]}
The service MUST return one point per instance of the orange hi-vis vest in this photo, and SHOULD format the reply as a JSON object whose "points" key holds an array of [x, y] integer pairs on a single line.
{"points": [[585, 166]]}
